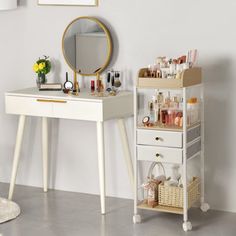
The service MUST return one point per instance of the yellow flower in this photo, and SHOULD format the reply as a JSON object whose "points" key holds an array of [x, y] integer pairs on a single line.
{"points": [[42, 65], [36, 67]]}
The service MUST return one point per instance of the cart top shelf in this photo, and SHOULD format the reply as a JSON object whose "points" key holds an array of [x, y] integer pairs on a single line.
{"points": [[189, 77]]}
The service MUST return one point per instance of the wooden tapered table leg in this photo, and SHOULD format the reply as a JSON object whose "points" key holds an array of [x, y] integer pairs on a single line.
{"points": [[101, 164], [19, 138], [45, 152]]}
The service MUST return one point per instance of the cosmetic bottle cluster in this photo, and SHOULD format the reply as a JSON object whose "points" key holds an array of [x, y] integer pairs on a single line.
{"points": [[108, 85], [171, 68], [166, 110]]}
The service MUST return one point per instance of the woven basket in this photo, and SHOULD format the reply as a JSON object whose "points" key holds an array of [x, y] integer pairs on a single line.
{"points": [[173, 196]]}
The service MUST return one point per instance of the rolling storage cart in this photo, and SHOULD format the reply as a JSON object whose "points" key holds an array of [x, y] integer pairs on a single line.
{"points": [[171, 145]]}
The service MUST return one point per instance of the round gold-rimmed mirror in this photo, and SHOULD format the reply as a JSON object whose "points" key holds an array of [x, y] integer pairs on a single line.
{"points": [[87, 46]]}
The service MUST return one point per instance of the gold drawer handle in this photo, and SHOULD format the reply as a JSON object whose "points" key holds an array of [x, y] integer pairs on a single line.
{"points": [[51, 101]]}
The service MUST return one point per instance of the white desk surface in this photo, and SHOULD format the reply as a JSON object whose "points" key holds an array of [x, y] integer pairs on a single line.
{"points": [[56, 104], [83, 96]]}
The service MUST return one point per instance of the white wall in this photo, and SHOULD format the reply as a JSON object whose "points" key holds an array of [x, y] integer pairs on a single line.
{"points": [[141, 30]]}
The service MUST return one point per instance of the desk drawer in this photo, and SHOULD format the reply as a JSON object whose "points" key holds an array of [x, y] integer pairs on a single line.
{"points": [[57, 108], [160, 154], [159, 138], [80, 110], [28, 106]]}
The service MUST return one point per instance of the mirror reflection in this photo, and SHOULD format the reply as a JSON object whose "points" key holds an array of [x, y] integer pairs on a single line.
{"points": [[87, 46]]}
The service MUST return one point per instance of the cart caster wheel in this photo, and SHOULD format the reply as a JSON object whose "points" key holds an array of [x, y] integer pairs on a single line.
{"points": [[205, 207], [136, 219], [187, 226]]}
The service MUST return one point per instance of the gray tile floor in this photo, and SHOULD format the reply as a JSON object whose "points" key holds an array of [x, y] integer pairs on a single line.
{"points": [[59, 213]]}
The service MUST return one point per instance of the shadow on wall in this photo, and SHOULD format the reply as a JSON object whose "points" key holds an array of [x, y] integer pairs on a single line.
{"points": [[22, 3], [218, 83], [127, 77], [56, 70], [31, 127], [115, 41]]}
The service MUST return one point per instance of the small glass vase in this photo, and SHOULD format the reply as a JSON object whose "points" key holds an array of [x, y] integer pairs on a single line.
{"points": [[41, 79]]}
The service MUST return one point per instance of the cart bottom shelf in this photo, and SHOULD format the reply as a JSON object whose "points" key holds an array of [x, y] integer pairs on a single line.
{"points": [[159, 208]]}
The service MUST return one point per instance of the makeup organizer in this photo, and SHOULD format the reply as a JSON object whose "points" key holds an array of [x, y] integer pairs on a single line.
{"points": [[169, 130]]}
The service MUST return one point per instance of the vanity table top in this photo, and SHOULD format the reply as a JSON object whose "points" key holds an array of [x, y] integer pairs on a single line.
{"points": [[84, 95], [56, 104]]}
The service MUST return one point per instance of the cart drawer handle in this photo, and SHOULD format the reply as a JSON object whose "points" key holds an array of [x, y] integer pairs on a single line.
{"points": [[158, 155], [53, 101], [157, 138]]}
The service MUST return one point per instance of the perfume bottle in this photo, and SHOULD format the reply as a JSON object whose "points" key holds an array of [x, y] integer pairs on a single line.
{"points": [[77, 88], [160, 98], [99, 83], [117, 82], [168, 100], [100, 86]]}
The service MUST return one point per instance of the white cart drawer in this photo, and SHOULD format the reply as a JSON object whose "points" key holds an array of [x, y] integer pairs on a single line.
{"points": [[160, 154], [28, 106], [80, 110], [159, 138]]}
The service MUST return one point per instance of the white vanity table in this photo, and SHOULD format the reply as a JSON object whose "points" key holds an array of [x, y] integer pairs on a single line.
{"points": [[55, 104]]}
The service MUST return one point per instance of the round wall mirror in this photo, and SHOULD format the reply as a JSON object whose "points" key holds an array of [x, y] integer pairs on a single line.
{"points": [[87, 46]]}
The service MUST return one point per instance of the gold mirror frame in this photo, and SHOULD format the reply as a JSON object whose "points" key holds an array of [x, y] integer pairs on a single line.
{"points": [[109, 40]]}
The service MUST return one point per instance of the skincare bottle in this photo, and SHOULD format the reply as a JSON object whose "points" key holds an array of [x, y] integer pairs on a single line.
{"points": [[151, 112], [181, 104], [168, 100], [112, 82], [77, 88], [149, 71], [160, 99], [175, 103], [193, 110], [164, 115], [108, 82], [99, 85], [75, 82], [92, 87], [155, 105]]}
